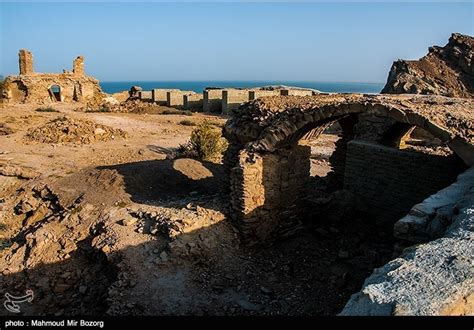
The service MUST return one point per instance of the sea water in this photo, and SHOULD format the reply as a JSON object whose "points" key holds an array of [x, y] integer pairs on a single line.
{"points": [[199, 86]]}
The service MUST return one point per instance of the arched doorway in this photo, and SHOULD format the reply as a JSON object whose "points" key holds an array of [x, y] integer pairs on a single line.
{"points": [[55, 93]]}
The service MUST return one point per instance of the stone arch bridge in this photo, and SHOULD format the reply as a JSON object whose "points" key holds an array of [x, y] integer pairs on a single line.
{"points": [[268, 168]]}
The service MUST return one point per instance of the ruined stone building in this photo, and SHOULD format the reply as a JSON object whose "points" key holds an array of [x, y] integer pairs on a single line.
{"points": [[269, 162], [43, 88]]}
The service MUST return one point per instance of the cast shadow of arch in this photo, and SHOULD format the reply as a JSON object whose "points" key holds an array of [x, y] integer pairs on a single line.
{"points": [[161, 182]]}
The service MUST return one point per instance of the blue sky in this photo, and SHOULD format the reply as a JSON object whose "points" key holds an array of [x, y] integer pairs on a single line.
{"points": [[353, 42]]}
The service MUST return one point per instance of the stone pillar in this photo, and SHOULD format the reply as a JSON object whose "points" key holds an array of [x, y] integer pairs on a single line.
{"points": [[26, 61], [78, 66], [267, 190]]}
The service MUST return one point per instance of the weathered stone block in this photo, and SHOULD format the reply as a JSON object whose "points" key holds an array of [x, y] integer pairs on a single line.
{"points": [[159, 95], [145, 95], [272, 185], [232, 98], [26, 61], [255, 94], [193, 102], [176, 98], [295, 92]]}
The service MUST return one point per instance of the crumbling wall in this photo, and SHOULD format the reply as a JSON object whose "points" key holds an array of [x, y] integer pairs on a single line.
{"points": [[146, 96], [192, 102], [160, 95], [78, 66], [31, 87], [176, 98], [255, 94], [37, 88], [266, 191], [391, 181], [296, 92]]}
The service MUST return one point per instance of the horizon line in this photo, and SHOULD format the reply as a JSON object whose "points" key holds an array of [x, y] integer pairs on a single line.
{"points": [[243, 80]]}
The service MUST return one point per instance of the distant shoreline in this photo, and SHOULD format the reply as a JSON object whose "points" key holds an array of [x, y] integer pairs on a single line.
{"points": [[198, 86]]}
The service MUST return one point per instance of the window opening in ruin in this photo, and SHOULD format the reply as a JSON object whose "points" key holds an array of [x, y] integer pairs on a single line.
{"points": [[55, 92]]}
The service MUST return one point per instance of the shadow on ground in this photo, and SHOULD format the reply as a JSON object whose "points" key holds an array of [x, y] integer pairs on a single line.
{"points": [[156, 182]]}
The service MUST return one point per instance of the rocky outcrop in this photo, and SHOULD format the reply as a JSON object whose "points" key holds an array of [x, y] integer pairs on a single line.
{"points": [[435, 278], [447, 71]]}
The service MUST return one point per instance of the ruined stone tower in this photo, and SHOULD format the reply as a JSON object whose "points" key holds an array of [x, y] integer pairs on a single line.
{"points": [[44, 88], [78, 66], [26, 61]]}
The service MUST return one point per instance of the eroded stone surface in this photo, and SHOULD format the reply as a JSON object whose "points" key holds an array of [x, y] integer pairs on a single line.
{"points": [[435, 278], [274, 122], [447, 71]]}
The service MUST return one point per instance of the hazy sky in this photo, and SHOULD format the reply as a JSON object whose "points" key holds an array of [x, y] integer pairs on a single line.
{"points": [[354, 42]]}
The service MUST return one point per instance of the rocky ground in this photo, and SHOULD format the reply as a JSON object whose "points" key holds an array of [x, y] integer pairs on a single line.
{"points": [[118, 226]]}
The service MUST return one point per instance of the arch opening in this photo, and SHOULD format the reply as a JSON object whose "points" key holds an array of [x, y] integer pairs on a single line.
{"points": [[55, 93], [374, 165]]}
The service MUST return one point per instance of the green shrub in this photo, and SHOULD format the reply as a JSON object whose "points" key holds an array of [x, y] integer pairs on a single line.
{"points": [[46, 109], [207, 142]]}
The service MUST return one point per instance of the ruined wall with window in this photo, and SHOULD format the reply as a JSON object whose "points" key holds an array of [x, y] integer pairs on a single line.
{"points": [[43, 88]]}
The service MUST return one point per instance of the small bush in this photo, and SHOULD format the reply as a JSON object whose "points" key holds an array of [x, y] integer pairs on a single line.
{"points": [[176, 112], [187, 122], [207, 142], [46, 109]]}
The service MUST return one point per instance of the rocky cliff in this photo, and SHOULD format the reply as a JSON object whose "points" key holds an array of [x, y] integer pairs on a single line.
{"points": [[447, 71]]}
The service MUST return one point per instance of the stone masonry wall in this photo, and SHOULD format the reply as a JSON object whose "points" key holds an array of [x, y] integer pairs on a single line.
{"points": [[255, 94], [159, 95], [296, 92], [145, 95], [391, 181], [193, 102], [25, 58], [434, 278], [232, 98], [176, 98], [212, 100], [266, 190]]}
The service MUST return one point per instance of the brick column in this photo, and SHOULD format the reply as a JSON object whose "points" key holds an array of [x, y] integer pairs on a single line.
{"points": [[266, 192], [26, 61]]}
